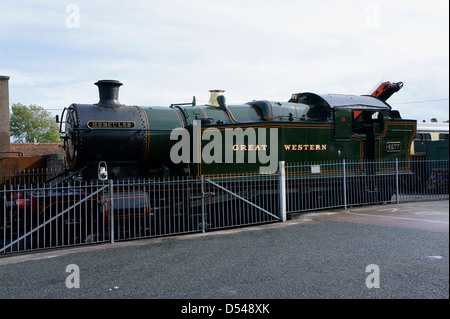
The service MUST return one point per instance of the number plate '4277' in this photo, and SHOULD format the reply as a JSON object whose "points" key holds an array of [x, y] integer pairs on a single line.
{"points": [[393, 146]]}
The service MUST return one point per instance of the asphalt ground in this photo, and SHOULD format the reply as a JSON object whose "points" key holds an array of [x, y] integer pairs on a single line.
{"points": [[395, 251]]}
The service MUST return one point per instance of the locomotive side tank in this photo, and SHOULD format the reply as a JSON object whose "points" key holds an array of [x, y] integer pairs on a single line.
{"points": [[312, 127]]}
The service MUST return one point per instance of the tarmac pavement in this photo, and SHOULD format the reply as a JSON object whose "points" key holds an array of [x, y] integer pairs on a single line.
{"points": [[395, 251]]}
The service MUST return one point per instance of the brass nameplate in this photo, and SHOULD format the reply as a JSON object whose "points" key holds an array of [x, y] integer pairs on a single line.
{"points": [[111, 124]]}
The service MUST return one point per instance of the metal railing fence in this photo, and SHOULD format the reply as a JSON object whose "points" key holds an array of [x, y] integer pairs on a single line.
{"points": [[36, 216], [44, 216], [21, 178], [333, 184]]}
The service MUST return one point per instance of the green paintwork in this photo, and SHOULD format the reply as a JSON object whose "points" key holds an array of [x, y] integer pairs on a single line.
{"points": [[306, 133]]}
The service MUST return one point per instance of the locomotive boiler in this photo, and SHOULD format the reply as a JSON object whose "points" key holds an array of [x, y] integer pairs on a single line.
{"points": [[116, 135], [138, 141]]}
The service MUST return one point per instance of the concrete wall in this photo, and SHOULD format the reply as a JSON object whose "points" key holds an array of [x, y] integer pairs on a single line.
{"points": [[4, 114]]}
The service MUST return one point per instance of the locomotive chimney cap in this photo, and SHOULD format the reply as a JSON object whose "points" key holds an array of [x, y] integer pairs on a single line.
{"points": [[109, 93], [108, 81]]}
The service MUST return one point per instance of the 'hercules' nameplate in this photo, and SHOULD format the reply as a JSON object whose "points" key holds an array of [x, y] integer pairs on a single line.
{"points": [[111, 124]]}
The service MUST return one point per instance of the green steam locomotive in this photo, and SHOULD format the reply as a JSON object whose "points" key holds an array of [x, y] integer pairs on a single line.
{"points": [[112, 140]]}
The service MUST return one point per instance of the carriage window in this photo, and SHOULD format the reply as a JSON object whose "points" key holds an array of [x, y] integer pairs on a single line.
{"points": [[419, 142], [443, 136], [423, 137]]}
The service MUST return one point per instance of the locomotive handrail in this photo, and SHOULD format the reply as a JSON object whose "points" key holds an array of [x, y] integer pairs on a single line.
{"points": [[61, 121], [122, 129], [193, 103], [63, 180], [178, 104]]}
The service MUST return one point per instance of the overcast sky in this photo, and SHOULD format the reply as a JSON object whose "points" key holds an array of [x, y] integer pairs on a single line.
{"points": [[166, 51]]}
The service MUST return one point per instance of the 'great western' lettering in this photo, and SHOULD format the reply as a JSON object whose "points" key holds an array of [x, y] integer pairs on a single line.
{"points": [[305, 147]]}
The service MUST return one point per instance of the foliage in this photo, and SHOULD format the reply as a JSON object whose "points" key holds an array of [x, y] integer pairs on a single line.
{"points": [[32, 124]]}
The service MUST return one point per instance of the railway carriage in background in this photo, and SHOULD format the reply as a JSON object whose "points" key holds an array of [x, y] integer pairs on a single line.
{"points": [[432, 133], [431, 143]]}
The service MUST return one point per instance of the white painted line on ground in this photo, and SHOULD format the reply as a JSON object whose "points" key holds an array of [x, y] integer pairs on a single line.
{"points": [[396, 217]]}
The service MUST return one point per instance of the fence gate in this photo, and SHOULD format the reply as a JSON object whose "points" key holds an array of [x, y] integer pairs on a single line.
{"points": [[231, 201], [47, 217]]}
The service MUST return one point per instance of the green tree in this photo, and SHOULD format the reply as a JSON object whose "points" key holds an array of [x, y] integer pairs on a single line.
{"points": [[33, 124]]}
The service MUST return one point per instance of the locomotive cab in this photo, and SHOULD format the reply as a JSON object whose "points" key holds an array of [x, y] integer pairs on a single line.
{"points": [[366, 119]]}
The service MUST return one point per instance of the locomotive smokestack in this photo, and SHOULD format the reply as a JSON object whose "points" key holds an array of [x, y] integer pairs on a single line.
{"points": [[109, 93]]}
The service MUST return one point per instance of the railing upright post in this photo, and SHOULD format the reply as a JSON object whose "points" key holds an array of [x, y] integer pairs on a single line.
{"points": [[202, 179], [397, 198], [344, 182], [282, 189], [111, 208]]}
